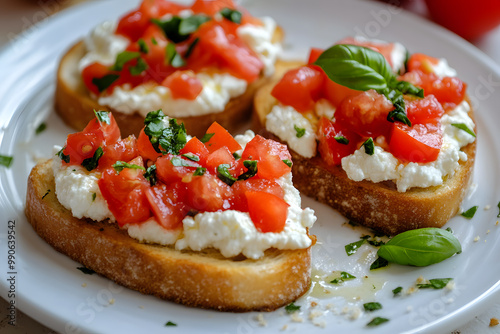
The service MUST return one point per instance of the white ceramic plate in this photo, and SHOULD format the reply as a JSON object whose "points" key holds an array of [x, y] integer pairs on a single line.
{"points": [[49, 288]]}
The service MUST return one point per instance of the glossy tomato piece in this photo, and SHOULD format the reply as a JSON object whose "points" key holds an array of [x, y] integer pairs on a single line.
{"points": [[300, 88], [122, 150], [167, 204], [419, 143], [211, 7], [145, 148], [336, 93], [365, 114], [219, 157], [110, 132], [268, 212], [94, 70], [239, 188], [269, 155], [332, 151], [314, 55], [125, 193], [208, 193], [424, 110], [183, 85], [133, 25], [422, 62], [173, 168], [196, 147], [159, 8], [81, 146], [221, 138]]}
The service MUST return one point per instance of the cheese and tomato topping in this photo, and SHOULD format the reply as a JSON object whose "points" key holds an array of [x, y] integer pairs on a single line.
{"points": [[173, 57], [232, 194], [417, 123]]}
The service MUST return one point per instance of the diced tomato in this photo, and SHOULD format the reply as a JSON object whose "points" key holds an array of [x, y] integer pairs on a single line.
{"points": [[219, 157], [133, 25], [314, 55], [365, 114], [145, 148], [159, 8], [422, 62], [195, 146], [268, 212], [299, 88], [94, 70], [221, 137], [167, 204], [81, 146], [122, 150], [424, 110], [207, 193], [332, 151], [336, 93], [239, 188], [211, 7], [270, 155], [110, 132], [168, 173], [125, 193], [419, 143], [183, 85]]}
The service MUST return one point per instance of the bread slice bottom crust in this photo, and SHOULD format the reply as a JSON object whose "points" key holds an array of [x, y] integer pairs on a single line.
{"points": [[201, 279], [376, 205]]}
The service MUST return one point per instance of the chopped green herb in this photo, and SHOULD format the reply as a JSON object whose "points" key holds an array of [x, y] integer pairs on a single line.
{"points": [[231, 15], [102, 116], [369, 146], [397, 290], [408, 88], [143, 47], [86, 271], [122, 58], [139, 67], [464, 127], [154, 41], [104, 82], [179, 29], [121, 165], [470, 213], [179, 162], [150, 175], [173, 57], [170, 324], [498, 216], [199, 171], [40, 128], [191, 23], [344, 276], [164, 139], [435, 283], [449, 229], [63, 156], [191, 156], [300, 131], [48, 191], [353, 247], [376, 321], [94, 195], [206, 137], [372, 306], [290, 308], [91, 163], [224, 175], [288, 163], [341, 140], [380, 262], [191, 47], [236, 156], [7, 160], [251, 165], [399, 112], [336, 281]]}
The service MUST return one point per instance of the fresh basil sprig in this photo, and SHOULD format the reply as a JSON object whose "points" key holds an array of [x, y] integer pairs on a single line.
{"points": [[421, 247]]}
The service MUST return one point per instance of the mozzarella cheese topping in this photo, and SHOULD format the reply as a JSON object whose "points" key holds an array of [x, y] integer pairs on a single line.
{"points": [[218, 88], [232, 232]]}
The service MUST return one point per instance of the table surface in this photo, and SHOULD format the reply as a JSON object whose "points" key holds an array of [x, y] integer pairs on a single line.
{"points": [[19, 15]]}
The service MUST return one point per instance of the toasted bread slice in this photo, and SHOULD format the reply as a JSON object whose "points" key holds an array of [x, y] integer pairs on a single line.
{"points": [[74, 104], [202, 279], [376, 205]]}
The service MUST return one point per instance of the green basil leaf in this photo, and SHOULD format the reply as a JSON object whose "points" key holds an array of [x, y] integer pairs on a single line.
{"points": [[6, 160], [86, 270], [435, 283], [150, 175], [353, 247], [172, 57], [236, 156], [41, 128], [380, 262], [369, 146], [191, 23], [300, 131], [224, 175], [94, 195], [377, 321], [399, 112], [341, 140], [154, 116], [469, 214], [191, 47], [62, 156], [91, 163], [397, 290], [288, 163], [139, 67], [464, 127], [337, 281], [421, 247], [498, 216], [346, 276], [103, 116], [143, 47], [191, 156], [173, 138], [231, 14], [179, 162], [356, 67], [199, 171], [372, 306], [206, 137], [104, 82], [171, 29], [154, 41], [406, 87], [121, 165], [122, 58], [170, 324], [449, 229], [290, 308], [251, 165]]}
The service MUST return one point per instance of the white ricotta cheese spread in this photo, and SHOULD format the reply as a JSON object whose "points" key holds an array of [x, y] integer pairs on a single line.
{"points": [[442, 69]]}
